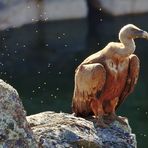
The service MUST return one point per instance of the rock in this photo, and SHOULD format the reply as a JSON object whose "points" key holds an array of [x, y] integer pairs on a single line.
{"points": [[65, 130], [14, 128], [54, 130]]}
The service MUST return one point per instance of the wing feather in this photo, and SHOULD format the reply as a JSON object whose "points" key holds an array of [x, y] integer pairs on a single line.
{"points": [[89, 82], [134, 67]]}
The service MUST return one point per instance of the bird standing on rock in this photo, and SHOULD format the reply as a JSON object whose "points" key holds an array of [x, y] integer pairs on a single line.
{"points": [[104, 79]]}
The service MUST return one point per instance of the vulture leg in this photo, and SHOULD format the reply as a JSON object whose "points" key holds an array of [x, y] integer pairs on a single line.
{"points": [[110, 111], [89, 82], [96, 106]]}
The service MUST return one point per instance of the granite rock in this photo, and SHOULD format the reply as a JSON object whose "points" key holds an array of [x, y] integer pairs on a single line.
{"points": [[14, 128], [64, 130], [55, 130]]}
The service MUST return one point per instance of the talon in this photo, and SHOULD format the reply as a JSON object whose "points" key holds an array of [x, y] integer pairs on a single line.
{"points": [[101, 123], [107, 120], [112, 117], [121, 120]]}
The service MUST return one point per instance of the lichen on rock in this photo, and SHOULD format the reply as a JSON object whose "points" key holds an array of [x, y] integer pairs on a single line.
{"points": [[14, 128], [64, 130], [54, 130]]}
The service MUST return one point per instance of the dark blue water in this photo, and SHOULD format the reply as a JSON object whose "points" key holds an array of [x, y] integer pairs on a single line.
{"points": [[39, 60]]}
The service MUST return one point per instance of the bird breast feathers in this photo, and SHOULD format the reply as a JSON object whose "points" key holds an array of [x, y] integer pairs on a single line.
{"points": [[114, 67]]}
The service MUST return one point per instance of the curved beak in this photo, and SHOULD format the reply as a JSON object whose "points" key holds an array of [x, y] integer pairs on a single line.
{"points": [[145, 35], [140, 34]]}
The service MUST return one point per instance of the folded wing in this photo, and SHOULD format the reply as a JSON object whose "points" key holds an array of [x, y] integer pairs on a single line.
{"points": [[89, 82], [133, 74]]}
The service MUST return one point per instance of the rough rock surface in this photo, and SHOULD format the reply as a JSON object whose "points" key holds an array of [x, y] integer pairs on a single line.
{"points": [[61, 130], [54, 130], [14, 128]]}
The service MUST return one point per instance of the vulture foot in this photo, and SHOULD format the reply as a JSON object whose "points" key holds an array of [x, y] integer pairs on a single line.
{"points": [[112, 117], [101, 123]]}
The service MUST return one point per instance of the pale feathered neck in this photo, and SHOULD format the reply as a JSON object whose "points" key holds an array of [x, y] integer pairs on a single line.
{"points": [[128, 45]]}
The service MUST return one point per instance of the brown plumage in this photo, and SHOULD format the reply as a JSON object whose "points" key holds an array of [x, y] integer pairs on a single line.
{"points": [[106, 78]]}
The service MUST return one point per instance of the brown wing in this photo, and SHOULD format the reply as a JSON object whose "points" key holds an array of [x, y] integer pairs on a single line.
{"points": [[134, 66], [89, 81]]}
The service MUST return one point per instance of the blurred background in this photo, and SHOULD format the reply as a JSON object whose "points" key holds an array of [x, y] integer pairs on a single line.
{"points": [[43, 41]]}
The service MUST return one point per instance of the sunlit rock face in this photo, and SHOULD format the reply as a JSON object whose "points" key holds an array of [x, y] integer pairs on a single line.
{"points": [[54, 130], [64, 130], [14, 129]]}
